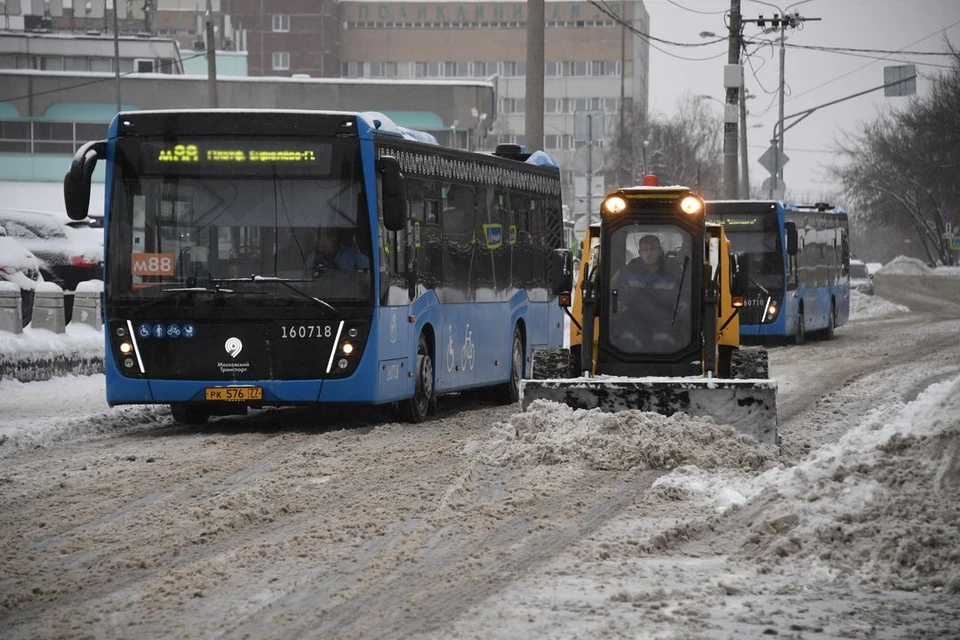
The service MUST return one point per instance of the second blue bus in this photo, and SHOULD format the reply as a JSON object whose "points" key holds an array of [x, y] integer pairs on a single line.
{"points": [[798, 257]]}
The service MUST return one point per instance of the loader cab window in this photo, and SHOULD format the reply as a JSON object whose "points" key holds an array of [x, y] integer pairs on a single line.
{"points": [[649, 301]]}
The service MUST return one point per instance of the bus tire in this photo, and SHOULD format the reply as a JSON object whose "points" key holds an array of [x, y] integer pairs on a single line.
{"points": [[509, 393], [189, 414], [829, 332], [417, 408], [799, 335]]}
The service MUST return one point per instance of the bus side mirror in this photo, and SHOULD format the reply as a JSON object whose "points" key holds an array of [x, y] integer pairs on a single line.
{"points": [[792, 242], [76, 182], [392, 189], [561, 275]]}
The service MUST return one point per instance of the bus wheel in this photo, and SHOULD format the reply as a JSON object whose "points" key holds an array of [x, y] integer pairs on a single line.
{"points": [[799, 336], [418, 407], [510, 392], [189, 414], [831, 323]]}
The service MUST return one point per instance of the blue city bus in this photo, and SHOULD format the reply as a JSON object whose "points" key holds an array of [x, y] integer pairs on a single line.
{"points": [[282, 257], [798, 258]]}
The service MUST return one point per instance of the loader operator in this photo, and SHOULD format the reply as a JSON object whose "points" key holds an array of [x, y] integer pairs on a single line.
{"points": [[650, 314]]}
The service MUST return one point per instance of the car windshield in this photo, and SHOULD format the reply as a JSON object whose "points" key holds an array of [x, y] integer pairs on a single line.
{"points": [[859, 271]]}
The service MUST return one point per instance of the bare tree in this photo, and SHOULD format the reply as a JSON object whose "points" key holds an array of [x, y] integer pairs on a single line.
{"points": [[903, 167], [683, 148]]}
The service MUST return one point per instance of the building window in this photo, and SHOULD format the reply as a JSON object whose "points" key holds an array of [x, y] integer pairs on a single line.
{"points": [[281, 23], [281, 60]]}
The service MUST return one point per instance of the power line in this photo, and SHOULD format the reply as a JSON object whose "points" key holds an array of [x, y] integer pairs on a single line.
{"points": [[861, 67], [609, 12], [856, 50], [703, 13]]}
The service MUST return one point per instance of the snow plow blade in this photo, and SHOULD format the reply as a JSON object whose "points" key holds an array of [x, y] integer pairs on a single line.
{"points": [[749, 406]]}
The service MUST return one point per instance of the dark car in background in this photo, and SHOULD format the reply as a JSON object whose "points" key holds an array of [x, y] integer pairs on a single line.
{"points": [[70, 252]]}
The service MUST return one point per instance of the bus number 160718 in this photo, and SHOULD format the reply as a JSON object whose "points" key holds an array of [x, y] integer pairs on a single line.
{"points": [[306, 331]]}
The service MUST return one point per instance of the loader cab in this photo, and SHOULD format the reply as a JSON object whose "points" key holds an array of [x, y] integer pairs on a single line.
{"points": [[649, 282]]}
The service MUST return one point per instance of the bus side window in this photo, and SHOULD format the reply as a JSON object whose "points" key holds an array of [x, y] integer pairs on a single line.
{"points": [[430, 261]]}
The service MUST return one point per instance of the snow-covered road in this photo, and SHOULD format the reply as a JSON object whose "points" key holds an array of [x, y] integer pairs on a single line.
{"points": [[483, 523]]}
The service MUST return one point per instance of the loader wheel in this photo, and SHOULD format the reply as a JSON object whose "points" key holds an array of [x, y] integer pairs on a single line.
{"points": [[750, 363], [550, 363], [417, 408], [510, 392]]}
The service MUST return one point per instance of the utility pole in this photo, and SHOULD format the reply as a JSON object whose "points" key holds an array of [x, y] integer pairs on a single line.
{"points": [[624, 172], [744, 162], [116, 54], [211, 59], [733, 83], [533, 119], [780, 21]]}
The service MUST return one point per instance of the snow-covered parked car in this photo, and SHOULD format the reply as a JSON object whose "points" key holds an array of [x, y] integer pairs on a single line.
{"points": [[69, 252], [860, 277], [19, 266]]}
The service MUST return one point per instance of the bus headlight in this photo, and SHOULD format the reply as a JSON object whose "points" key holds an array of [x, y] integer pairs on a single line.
{"points": [[347, 348], [614, 205], [126, 348], [691, 205]]}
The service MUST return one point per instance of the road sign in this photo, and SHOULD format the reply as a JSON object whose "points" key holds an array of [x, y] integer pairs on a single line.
{"points": [[779, 188], [597, 186], [770, 156], [588, 159], [587, 125], [955, 243], [905, 77]]}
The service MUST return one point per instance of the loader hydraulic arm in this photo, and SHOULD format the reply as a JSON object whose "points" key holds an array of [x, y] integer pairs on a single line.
{"points": [[588, 298]]}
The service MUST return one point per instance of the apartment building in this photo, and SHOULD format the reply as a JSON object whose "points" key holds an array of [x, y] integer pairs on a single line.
{"points": [[591, 60]]}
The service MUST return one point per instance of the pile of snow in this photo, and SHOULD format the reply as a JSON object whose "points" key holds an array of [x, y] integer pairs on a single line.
{"points": [[881, 507], [863, 306], [549, 433], [902, 265], [33, 343]]}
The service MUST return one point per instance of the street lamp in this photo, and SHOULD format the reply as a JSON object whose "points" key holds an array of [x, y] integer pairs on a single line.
{"points": [[478, 120], [453, 134]]}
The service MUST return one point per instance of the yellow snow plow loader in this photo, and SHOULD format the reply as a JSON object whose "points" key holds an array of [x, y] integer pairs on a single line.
{"points": [[655, 326]]}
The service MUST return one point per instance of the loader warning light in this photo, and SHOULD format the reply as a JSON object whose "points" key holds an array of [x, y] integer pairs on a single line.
{"points": [[691, 205], [736, 301], [564, 299]]}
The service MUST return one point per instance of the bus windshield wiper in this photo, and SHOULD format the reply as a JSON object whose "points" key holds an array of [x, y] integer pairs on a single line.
{"points": [[759, 286], [285, 282], [173, 293]]}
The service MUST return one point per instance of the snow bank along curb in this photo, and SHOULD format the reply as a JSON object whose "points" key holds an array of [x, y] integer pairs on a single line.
{"points": [[918, 291], [40, 354]]}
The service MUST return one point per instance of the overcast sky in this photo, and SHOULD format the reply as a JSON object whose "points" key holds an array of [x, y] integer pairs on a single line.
{"points": [[812, 77]]}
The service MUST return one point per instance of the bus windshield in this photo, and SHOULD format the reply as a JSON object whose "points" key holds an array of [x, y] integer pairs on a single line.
{"points": [[239, 217], [756, 240]]}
